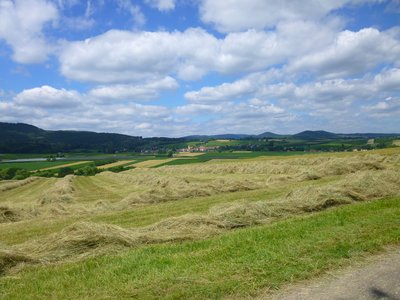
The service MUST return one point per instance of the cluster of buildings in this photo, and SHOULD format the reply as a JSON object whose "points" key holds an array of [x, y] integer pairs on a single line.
{"points": [[197, 149]]}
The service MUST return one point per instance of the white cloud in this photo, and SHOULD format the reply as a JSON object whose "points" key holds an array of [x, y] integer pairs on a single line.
{"points": [[352, 53], [223, 92], [21, 26], [238, 15], [134, 10], [390, 107], [48, 97], [124, 56], [198, 109], [316, 97], [146, 91], [162, 5]]}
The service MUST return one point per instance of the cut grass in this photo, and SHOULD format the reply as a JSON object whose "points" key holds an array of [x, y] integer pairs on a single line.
{"points": [[116, 164], [239, 263], [72, 164], [188, 154], [152, 163]]}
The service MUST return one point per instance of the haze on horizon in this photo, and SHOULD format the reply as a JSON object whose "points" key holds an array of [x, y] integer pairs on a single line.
{"points": [[183, 67]]}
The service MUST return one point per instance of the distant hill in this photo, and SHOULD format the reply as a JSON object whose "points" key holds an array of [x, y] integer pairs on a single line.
{"points": [[367, 135], [25, 138], [315, 135], [218, 136], [270, 135]]}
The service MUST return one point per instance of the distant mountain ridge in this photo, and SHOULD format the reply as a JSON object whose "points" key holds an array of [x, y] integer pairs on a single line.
{"points": [[25, 138], [318, 134]]}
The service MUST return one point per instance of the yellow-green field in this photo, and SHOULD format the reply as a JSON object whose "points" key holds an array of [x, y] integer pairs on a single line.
{"points": [[224, 229], [152, 163], [116, 164], [188, 154], [396, 142], [66, 165]]}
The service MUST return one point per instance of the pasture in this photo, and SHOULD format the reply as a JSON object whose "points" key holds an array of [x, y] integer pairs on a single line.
{"points": [[222, 229]]}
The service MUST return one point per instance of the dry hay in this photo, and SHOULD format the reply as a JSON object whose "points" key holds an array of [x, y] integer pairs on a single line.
{"points": [[66, 165], [116, 164], [16, 184], [168, 189], [10, 258], [61, 192], [362, 186], [9, 214], [85, 238], [152, 163], [320, 166], [188, 154]]}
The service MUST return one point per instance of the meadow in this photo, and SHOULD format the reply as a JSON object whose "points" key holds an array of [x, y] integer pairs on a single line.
{"points": [[221, 228]]}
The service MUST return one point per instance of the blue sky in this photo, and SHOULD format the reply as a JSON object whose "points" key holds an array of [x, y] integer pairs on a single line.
{"points": [[180, 67]]}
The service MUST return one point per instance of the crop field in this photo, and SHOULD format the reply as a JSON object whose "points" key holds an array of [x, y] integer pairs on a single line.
{"points": [[37, 165], [189, 154], [72, 164], [232, 228], [152, 163], [117, 164]]}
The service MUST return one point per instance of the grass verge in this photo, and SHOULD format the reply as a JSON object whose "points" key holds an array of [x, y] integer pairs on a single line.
{"points": [[239, 263]]}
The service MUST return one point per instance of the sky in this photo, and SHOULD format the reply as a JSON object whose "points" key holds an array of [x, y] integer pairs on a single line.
{"points": [[181, 67]]}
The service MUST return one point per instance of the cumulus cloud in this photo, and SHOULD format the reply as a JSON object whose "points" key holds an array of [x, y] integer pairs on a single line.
{"points": [[237, 15], [48, 97], [117, 55], [390, 107], [351, 53], [21, 26], [147, 91], [162, 5]]}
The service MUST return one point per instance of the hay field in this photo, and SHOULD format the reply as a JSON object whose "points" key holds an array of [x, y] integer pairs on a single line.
{"points": [[152, 163], [396, 142], [66, 165], [188, 154], [50, 224], [116, 164]]}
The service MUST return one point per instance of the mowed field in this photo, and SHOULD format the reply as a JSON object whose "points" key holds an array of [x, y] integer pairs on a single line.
{"points": [[223, 229], [117, 164]]}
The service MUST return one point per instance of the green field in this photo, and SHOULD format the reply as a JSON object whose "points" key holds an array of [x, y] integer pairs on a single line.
{"points": [[225, 229], [32, 166]]}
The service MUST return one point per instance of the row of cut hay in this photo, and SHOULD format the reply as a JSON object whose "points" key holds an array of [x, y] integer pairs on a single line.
{"points": [[167, 188], [83, 239], [61, 192], [324, 166], [10, 214], [10, 258], [178, 188], [16, 184], [361, 186]]}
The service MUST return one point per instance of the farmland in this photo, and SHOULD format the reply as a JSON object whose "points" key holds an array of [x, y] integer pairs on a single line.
{"points": [[212, 228]]}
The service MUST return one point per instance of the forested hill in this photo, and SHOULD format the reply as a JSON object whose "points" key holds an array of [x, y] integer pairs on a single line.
{"points": [[24, 138]]}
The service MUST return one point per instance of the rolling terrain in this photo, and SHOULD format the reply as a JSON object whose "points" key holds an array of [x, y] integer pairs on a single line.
{"points": [[203, 230]]}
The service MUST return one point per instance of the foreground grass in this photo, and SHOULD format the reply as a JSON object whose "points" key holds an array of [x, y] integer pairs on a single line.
{"points": [[91, 189], [239, 263]]}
